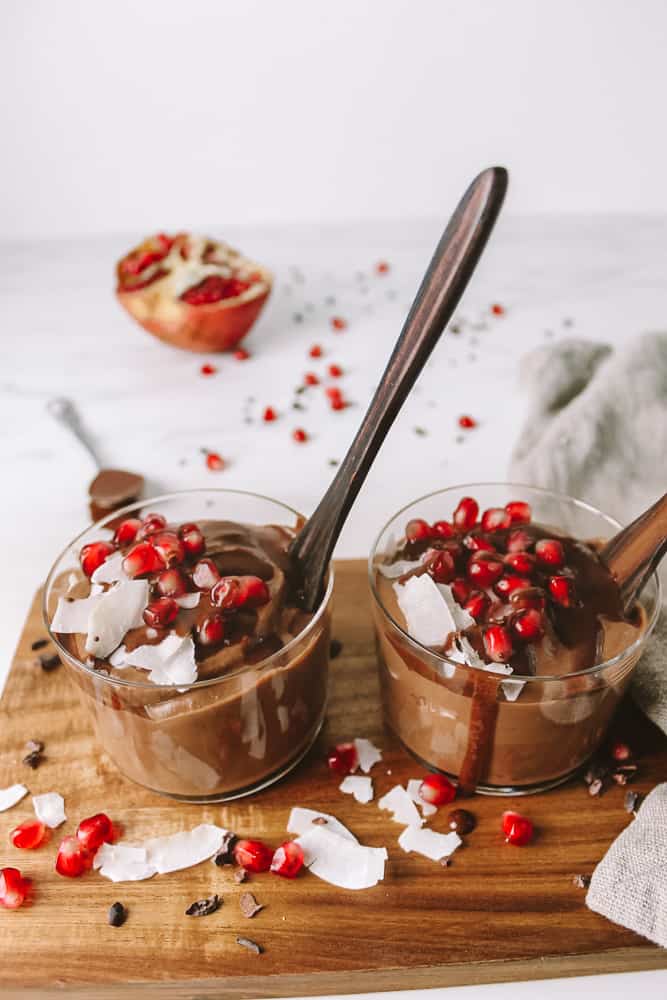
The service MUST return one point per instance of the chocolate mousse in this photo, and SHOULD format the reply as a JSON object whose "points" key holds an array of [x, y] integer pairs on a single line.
{"points": [[175, 625], [112, 489], [506, 614]]}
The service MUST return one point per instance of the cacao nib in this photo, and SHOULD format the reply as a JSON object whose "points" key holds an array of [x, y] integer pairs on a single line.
{"points": [[250, 945], [202, 907], [249, 905], [117, 915]]}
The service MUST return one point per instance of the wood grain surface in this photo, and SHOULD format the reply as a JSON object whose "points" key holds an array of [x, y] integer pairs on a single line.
{"points": [[497, 913]]}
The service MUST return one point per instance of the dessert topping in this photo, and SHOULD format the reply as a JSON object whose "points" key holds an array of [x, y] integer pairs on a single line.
{"points": [[202, 907], [518, 829], [249, 905], [359, 786], [287, 860], [49, 809], [14, 888], [437, 789], [28, 835], [428, 843], [10, 796], [117, 915], [253, 855]]}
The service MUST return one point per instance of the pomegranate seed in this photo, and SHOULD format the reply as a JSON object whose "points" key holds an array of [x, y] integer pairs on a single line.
{"points": [[382, 267], [443, 529], [338, 403], [518, 541], [208, 370], [192, 538], [299, 435], [232, 592], [528, 625], [417, 530], [478, 543], [269, 414], [169, 546], [205, 574], [171, 583], [520, 562], [620, 751], [126, 531], [437, 790], [288, 860], [211, 631], [467, 423], [214, 288], [161, 612], [141, 560], [497, 309], [562, 590], [531, 597], [333, 392], [484, 569], [520, 511], [94, 831], [497, 643], [73, 858], [214, 462], [441, 566], [335, 371], [93, 555], [29, 835], [310, 378], [338, 323], [315, 351], [150, 524], [241, 354], [461, 590], [495, 519], [506, 586], [518, 829], [455, 547], [13, 888], [465, 515], [478, 604], [550, 552], [343, 759], [253, 855]]}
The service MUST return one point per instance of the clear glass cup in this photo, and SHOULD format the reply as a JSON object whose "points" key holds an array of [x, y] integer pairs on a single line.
{"points": [[221, 738], [453, 717]]}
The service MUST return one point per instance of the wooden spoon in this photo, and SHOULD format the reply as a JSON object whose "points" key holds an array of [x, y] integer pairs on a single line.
{"points": [[453, 263], [634, 553]]}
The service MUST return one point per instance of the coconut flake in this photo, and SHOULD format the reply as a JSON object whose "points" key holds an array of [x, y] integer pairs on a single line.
{"points": [[118, 658], [413, 786], [132, 862], [73, 616], [301, 820], [462, 619], [111, 570], [512, 689], [400, 803], [117, 611], [470, 654], [49, 809], [367, 754], [360, 787], [426, 613], [123, 863], [428, 843], [340, 861], [188, 601], [171, 661], [399, 568], [10, 796]]}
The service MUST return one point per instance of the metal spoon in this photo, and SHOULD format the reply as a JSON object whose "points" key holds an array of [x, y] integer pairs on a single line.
{"points": [[634, 553], [451, 267]]}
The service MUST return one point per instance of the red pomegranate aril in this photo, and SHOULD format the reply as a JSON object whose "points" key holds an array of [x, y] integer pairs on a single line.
{"points": [[550, 553], [528, 625], [126, 531], [299, 435], [14, 888], [141, 560], [171, 583], [269, 415], [214, 462], [333, 392], [93, 555], [211, 631], [467, 423], [519, 511], [29, 835], [518, 829], [520, 562], [310, 378], [518, 540], [335, 371], [443, 529], [161, 612], [531, 597], [441, 566], [240, 354], [338, 403], [461, 589], [497, 643], [338, 323], [192, 538], [253, 855], [315, 351], [484, 569], [506, 586], [495, 519], [287, 860], [417, 530], [478, 604], [232, 592], [150, 524], [437, 790], [73, 858], [465, 515], [562, 591], [343, 758], [94, 831], [205, 574], [620, 751], [382, 267], [497, 309], [254, 592], [170, 547], [478, 543], [208, 369], [214, 288]]}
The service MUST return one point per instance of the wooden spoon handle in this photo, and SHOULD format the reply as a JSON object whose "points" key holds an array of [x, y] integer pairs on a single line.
{"points": [[633, 554], [453, 263]]}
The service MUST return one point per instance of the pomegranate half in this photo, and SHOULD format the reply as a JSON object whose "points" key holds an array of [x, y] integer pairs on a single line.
{"points": [[191, 291]]}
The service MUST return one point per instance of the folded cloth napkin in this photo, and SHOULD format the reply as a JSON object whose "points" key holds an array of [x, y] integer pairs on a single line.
{"points": [[629, 886], [597, 430]]}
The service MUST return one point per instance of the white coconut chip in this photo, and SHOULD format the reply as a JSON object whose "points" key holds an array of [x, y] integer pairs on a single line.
{"points": [[359, 786], [399, 802], [427, 808], [340, 861], [512, 689], [301, 820], [116, 612], [171, 661], [367, 754], [462, 618], [74, 615], [132, 862], [470, 654], [428, 843], [111, 570], [49, 809], [498, 668], [10, 796], [393, 570], [123, 863], [425, 610], [188, 601]]}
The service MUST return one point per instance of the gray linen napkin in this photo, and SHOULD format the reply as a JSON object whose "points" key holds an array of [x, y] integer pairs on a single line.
{"points": [[629, 886], [597, 429]]}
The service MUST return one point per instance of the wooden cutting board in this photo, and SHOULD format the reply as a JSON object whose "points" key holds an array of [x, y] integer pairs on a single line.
{"points": [[498, 913]]}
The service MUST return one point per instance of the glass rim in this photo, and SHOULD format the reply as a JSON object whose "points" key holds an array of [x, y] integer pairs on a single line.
{"points": [[206, 682], [635, 646]]}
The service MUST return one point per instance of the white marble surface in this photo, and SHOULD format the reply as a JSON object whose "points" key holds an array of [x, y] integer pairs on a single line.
{"points": [[150, 410]]}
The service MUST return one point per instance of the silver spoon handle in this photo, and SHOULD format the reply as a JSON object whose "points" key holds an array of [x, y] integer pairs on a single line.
{"points": [[64, 411]]}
